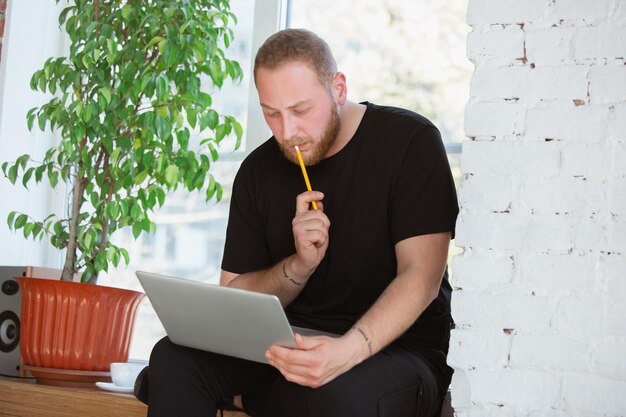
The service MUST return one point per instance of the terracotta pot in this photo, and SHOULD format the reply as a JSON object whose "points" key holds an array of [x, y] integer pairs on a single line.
{"points": [[75, 326]]}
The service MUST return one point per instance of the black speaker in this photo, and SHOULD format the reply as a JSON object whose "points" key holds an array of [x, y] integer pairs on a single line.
{"points": [[10, 306], [10, 313]]}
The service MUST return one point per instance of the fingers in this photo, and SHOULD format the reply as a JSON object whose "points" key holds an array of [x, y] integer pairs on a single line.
{"points": [[310, 227], [304, 200], [301, 365]]}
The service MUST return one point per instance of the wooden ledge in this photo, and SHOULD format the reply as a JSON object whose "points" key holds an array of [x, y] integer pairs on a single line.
{"points": [[20, 398]]}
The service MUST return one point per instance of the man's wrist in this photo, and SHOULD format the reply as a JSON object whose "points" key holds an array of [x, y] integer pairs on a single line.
{"points": [[362, 342], [288, 277], [293, 268], [366, 338]]}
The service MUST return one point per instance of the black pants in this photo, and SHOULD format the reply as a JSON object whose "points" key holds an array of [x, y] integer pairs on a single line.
{"points": [[185, 382]]}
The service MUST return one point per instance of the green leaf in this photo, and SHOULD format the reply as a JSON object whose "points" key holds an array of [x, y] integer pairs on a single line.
{"points": [[209, 119], [204, 99], [154, 41], [183, 138], [238, 129], [10, 219], [28, 228], [27, 175], [13, 174], [106, 93], [171, 175], [20, 221], [214, 153], [160, 196], [221, 132], [210, 191], [136, 230], [115, 156], [124, 253], [41, 119], [219, 192], [141, 177], [126, 11], [88, 240], [135, 212], [161, 87]]}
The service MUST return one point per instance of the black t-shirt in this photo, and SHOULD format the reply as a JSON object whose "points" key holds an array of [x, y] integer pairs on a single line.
{"points": [[390, 182]]}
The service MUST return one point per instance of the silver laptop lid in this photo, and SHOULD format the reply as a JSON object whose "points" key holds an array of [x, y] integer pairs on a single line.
{"points": [[217, 319]]}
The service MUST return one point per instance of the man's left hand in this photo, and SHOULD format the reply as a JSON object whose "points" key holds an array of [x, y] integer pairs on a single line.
{"points": [[316, 360]]}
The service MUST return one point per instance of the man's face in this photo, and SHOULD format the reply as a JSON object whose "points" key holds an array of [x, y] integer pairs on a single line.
{"points": [[299, 110]]}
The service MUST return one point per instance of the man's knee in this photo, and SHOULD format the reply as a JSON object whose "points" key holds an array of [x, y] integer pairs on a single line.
{"points": [[167, 356], [161, 351]]}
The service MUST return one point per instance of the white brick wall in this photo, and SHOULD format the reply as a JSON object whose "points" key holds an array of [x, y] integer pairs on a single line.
{"points": [[540, 289]]}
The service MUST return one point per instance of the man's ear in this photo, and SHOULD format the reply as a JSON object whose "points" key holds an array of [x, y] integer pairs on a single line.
{"points": [[340, 88]]}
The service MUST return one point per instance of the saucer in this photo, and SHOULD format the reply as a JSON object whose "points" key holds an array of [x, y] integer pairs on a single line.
{"points": [[109, 386]]}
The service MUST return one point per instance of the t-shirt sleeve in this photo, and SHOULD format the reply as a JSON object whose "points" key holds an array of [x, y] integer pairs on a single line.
{"points": [[245, 249], [423, 199]]}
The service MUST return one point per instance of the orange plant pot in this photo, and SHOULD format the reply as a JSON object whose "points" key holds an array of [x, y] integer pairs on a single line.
{"points": [[75, 326]]}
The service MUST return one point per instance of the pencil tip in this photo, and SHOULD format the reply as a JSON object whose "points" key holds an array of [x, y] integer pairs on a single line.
{"points": [[297, 149]]}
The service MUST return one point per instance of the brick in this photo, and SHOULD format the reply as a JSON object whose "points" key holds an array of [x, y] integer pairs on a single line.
{"points": [[556, 274], [607, 84], [615, 313], [460, 385], [549, 352], [619, 130], [616, 195], [532, 390], [486, 311], [498, 46], [589, 394], [484, 349], [487, 192], [482, 269], [599, 42], [504, 11], [589, 11], [618, 156], [619, 13], [549, 413], [611, 268], [549, 46], [492, 119], [579, 317], [572, 123], [562, 195], [490, 410], [515, 232], [585, 160], [602, 232], [511, 157], [607, 359], [500, 82], [560, 82]]}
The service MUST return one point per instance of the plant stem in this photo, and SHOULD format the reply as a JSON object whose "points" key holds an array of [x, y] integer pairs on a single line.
{"points": [[70, 255]]}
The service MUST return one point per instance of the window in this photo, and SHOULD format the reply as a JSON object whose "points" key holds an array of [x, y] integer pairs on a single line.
{"points": [[404, 53], [407, 53]]}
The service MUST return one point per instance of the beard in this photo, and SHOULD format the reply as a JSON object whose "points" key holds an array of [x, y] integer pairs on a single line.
{"points": [[318, 151]]}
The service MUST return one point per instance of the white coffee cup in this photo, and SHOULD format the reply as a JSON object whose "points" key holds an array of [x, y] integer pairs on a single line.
{"points": [[124, 374]]}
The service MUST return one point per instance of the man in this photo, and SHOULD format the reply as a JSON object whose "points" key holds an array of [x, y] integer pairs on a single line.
{"points": [[367, 264]]}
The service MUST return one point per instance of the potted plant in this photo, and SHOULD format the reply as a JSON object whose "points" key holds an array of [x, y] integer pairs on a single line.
{"points": [[125, 102]]}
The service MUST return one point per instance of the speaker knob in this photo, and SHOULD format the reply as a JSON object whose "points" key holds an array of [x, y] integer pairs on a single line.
{"points": [[10, 287]]}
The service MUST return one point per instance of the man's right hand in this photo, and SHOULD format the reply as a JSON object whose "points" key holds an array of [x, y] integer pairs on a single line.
{"points": [[310, 233]]}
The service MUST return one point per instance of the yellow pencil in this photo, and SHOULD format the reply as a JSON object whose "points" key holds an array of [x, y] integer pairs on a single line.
{"points": [[306, 177]]}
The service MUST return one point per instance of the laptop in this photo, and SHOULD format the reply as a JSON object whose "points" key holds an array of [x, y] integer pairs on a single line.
{"points": [[229, 321]]}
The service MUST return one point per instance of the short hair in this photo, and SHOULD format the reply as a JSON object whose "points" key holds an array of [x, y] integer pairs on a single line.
{"points": [[297, 45]]}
